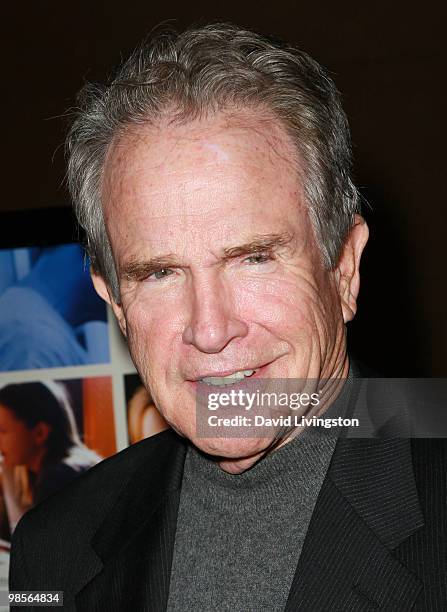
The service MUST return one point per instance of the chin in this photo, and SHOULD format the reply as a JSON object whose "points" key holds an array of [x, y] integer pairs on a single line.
{"points": [[232, 448]]}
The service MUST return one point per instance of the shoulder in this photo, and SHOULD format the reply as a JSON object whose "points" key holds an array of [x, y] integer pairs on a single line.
{"points": [[56, 475], [430, 463], [81, 506], [57, 533]]}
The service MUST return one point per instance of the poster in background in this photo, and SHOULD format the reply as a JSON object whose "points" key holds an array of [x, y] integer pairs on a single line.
{"points": [[143, 418], [50, 314], [51, 432]]}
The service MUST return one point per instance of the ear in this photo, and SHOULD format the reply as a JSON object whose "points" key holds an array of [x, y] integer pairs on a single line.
{"points": [[104, 291], [347, 272]]}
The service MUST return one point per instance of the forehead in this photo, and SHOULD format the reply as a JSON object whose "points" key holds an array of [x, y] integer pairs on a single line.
{"points": [[242, 143], [202, 174]]}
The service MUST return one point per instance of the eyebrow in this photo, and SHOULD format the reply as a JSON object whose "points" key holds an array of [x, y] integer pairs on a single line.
{"points": [[135, 270], [139, 270], [264, 242]]}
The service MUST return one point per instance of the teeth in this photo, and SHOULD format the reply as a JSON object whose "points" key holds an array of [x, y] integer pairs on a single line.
{"points": [[222, 381]]}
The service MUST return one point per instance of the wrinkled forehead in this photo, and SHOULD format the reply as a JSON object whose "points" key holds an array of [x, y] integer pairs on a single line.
{"points": [[238, 142], [189, 188]]}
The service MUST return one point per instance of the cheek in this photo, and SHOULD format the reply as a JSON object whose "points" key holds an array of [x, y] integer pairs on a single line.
{"points": [[151, 330], [289, 306], [17, 449]]}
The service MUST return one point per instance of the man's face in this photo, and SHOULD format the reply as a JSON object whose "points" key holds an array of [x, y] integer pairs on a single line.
{"points": [[218, 266]]}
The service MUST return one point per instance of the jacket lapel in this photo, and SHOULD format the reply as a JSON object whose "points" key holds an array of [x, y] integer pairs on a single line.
{"points": [[368, 505], [134, 545]]}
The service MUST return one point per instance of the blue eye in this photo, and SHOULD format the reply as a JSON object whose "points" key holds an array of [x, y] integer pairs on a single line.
{"points": [[161, 274]]}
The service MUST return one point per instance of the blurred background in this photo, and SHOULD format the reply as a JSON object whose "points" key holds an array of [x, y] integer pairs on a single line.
{"points": [[388, 60]]}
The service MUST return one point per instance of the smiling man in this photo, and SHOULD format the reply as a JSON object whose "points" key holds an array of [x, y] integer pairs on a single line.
{"points": [[212, 177], [218, 267]]}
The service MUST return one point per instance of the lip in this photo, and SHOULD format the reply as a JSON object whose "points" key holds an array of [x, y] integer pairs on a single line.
{"points": [[260, 373]]}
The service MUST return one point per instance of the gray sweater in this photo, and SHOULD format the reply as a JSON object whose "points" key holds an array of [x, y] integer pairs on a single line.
{"points": [[239, 537]]}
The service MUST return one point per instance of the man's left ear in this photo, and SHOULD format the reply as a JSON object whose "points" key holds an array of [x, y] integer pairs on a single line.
{"points": [[347, 272]]}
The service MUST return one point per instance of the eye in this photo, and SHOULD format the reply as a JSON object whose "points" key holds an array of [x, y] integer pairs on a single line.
{"points": [[160, 274], [258, 258]]}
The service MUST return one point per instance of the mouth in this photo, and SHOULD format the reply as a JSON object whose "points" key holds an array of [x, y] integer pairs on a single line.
{"points": [[229, 378]]}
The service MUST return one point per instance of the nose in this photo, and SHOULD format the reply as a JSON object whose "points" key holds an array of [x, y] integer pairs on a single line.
{"points": [[213, 322]]}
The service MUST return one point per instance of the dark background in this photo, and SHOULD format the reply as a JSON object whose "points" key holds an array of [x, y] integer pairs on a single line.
{"points": [[388, 60]]}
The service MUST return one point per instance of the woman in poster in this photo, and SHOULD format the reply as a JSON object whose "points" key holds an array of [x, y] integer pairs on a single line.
{"points": [[40, 445]]}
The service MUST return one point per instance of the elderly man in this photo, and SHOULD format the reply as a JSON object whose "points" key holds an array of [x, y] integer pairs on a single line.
{"points": [[212, 178]]}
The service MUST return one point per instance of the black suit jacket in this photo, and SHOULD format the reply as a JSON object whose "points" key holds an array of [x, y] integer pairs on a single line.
{"points": [[376, 541]]}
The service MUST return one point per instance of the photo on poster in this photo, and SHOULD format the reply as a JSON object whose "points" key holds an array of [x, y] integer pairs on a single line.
{"points": [[50, 433], [50, 314], [143, 418]]}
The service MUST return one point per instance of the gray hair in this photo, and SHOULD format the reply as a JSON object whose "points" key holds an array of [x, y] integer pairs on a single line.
{"points": [[205, 70]]}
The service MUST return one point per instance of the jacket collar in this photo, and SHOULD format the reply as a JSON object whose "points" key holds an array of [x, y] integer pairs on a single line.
{"points": [[367, 506], [133, 548], [159, 474]]}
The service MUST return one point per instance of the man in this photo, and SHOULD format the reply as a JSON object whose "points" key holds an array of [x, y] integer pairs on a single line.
{"points": [[212, 177]]}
